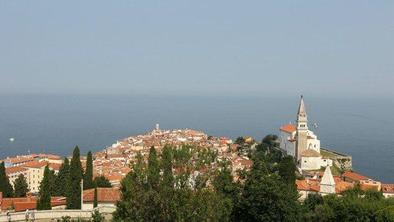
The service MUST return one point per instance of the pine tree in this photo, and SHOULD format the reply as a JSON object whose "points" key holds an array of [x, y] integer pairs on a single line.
{"points": [[88, 176], [74, 181], [153, 169], [5, 185], [95, 203], [52, 180], [102, 181], [44, 201], [62, 179], [21, 187], [287, 170]]}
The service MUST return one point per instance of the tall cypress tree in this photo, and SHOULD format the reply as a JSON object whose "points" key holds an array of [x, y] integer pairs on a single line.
{"points": [[21, 187], [44, 201], [95, 203], [88, 176], [5, 185], [62, 179], [153, 169], [74, 181]]}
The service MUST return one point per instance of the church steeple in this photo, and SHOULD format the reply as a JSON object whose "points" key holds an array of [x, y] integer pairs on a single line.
{"points": [[302, 119], [302, 129]]}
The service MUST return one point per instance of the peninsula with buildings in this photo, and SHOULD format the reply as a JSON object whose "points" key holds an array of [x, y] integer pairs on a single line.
{"points": [[319, 170]]}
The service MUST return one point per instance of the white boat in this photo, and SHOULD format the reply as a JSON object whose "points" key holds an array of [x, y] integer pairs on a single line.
{"points": [[12, 139]]}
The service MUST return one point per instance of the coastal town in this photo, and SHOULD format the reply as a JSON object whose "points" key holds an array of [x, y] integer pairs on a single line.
{"points": [[321, 171]]}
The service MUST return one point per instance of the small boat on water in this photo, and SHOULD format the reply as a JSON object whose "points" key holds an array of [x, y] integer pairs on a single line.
{"points": [[12, 139]]}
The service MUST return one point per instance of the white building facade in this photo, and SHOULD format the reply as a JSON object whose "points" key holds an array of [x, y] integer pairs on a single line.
{"points": [[298, 141]]}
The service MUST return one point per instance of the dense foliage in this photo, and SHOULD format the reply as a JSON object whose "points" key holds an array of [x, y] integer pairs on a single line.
{"points": [[354, 205], [21, 186], [161, 190], [61, 180], [88, 176], [44, 195], [101, 181], [5, 185], [73, 192]]}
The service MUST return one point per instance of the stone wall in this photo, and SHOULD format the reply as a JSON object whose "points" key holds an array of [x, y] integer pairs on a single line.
{"points": [[54, 215], [342, 161]]}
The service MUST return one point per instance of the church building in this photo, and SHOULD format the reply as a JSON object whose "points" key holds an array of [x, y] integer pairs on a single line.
{"points": [[298, 141]]}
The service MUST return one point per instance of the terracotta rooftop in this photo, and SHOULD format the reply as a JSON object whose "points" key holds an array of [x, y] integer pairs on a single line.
{"points": [[103, 195], [35, 164], [341, 186], [12, 170], [308, 185], [289, 128], [54, 166], [388, 188], [354, 176], [24, 203]]}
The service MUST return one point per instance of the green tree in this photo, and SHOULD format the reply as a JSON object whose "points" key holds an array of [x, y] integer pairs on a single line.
{"points": [[44, 201], [5, 185], [61, 181], [287, 169], [52, 180], [95, 203], [21, 187], [102, 181], [266, 198], [312, 201], [153, 174], [88, 176], [74, 181]]}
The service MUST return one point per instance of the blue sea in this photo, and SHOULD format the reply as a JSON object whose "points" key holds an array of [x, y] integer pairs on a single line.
{"points": [[360, 127]]}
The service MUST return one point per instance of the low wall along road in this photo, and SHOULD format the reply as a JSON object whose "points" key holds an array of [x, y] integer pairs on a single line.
{"points": [[54, 215]]}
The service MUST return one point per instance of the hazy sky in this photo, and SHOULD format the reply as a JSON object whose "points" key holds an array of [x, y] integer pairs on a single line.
{"points": [[192, 47]]}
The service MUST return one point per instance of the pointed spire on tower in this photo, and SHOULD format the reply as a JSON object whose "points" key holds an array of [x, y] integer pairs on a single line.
{"points": [[301, 114], [301, 108]]}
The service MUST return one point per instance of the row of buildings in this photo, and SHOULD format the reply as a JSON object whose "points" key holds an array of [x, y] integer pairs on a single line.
{"points": [[31, 167]]}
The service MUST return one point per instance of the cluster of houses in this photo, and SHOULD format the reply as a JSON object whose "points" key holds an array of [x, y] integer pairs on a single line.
{"points": [[114, 162]]}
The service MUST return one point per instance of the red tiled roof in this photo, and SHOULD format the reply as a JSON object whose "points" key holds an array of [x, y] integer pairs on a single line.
{"points": [[388, 188], [289, 128], [12, 170], [114, 177], [354, 176], [341, 186], [19, 159], [24, 203], [103, 195], [35, 164], [54, 166], [308, 185]]}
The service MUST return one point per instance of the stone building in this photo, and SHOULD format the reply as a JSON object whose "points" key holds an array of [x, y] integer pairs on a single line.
{"points": [[298, 141]]}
